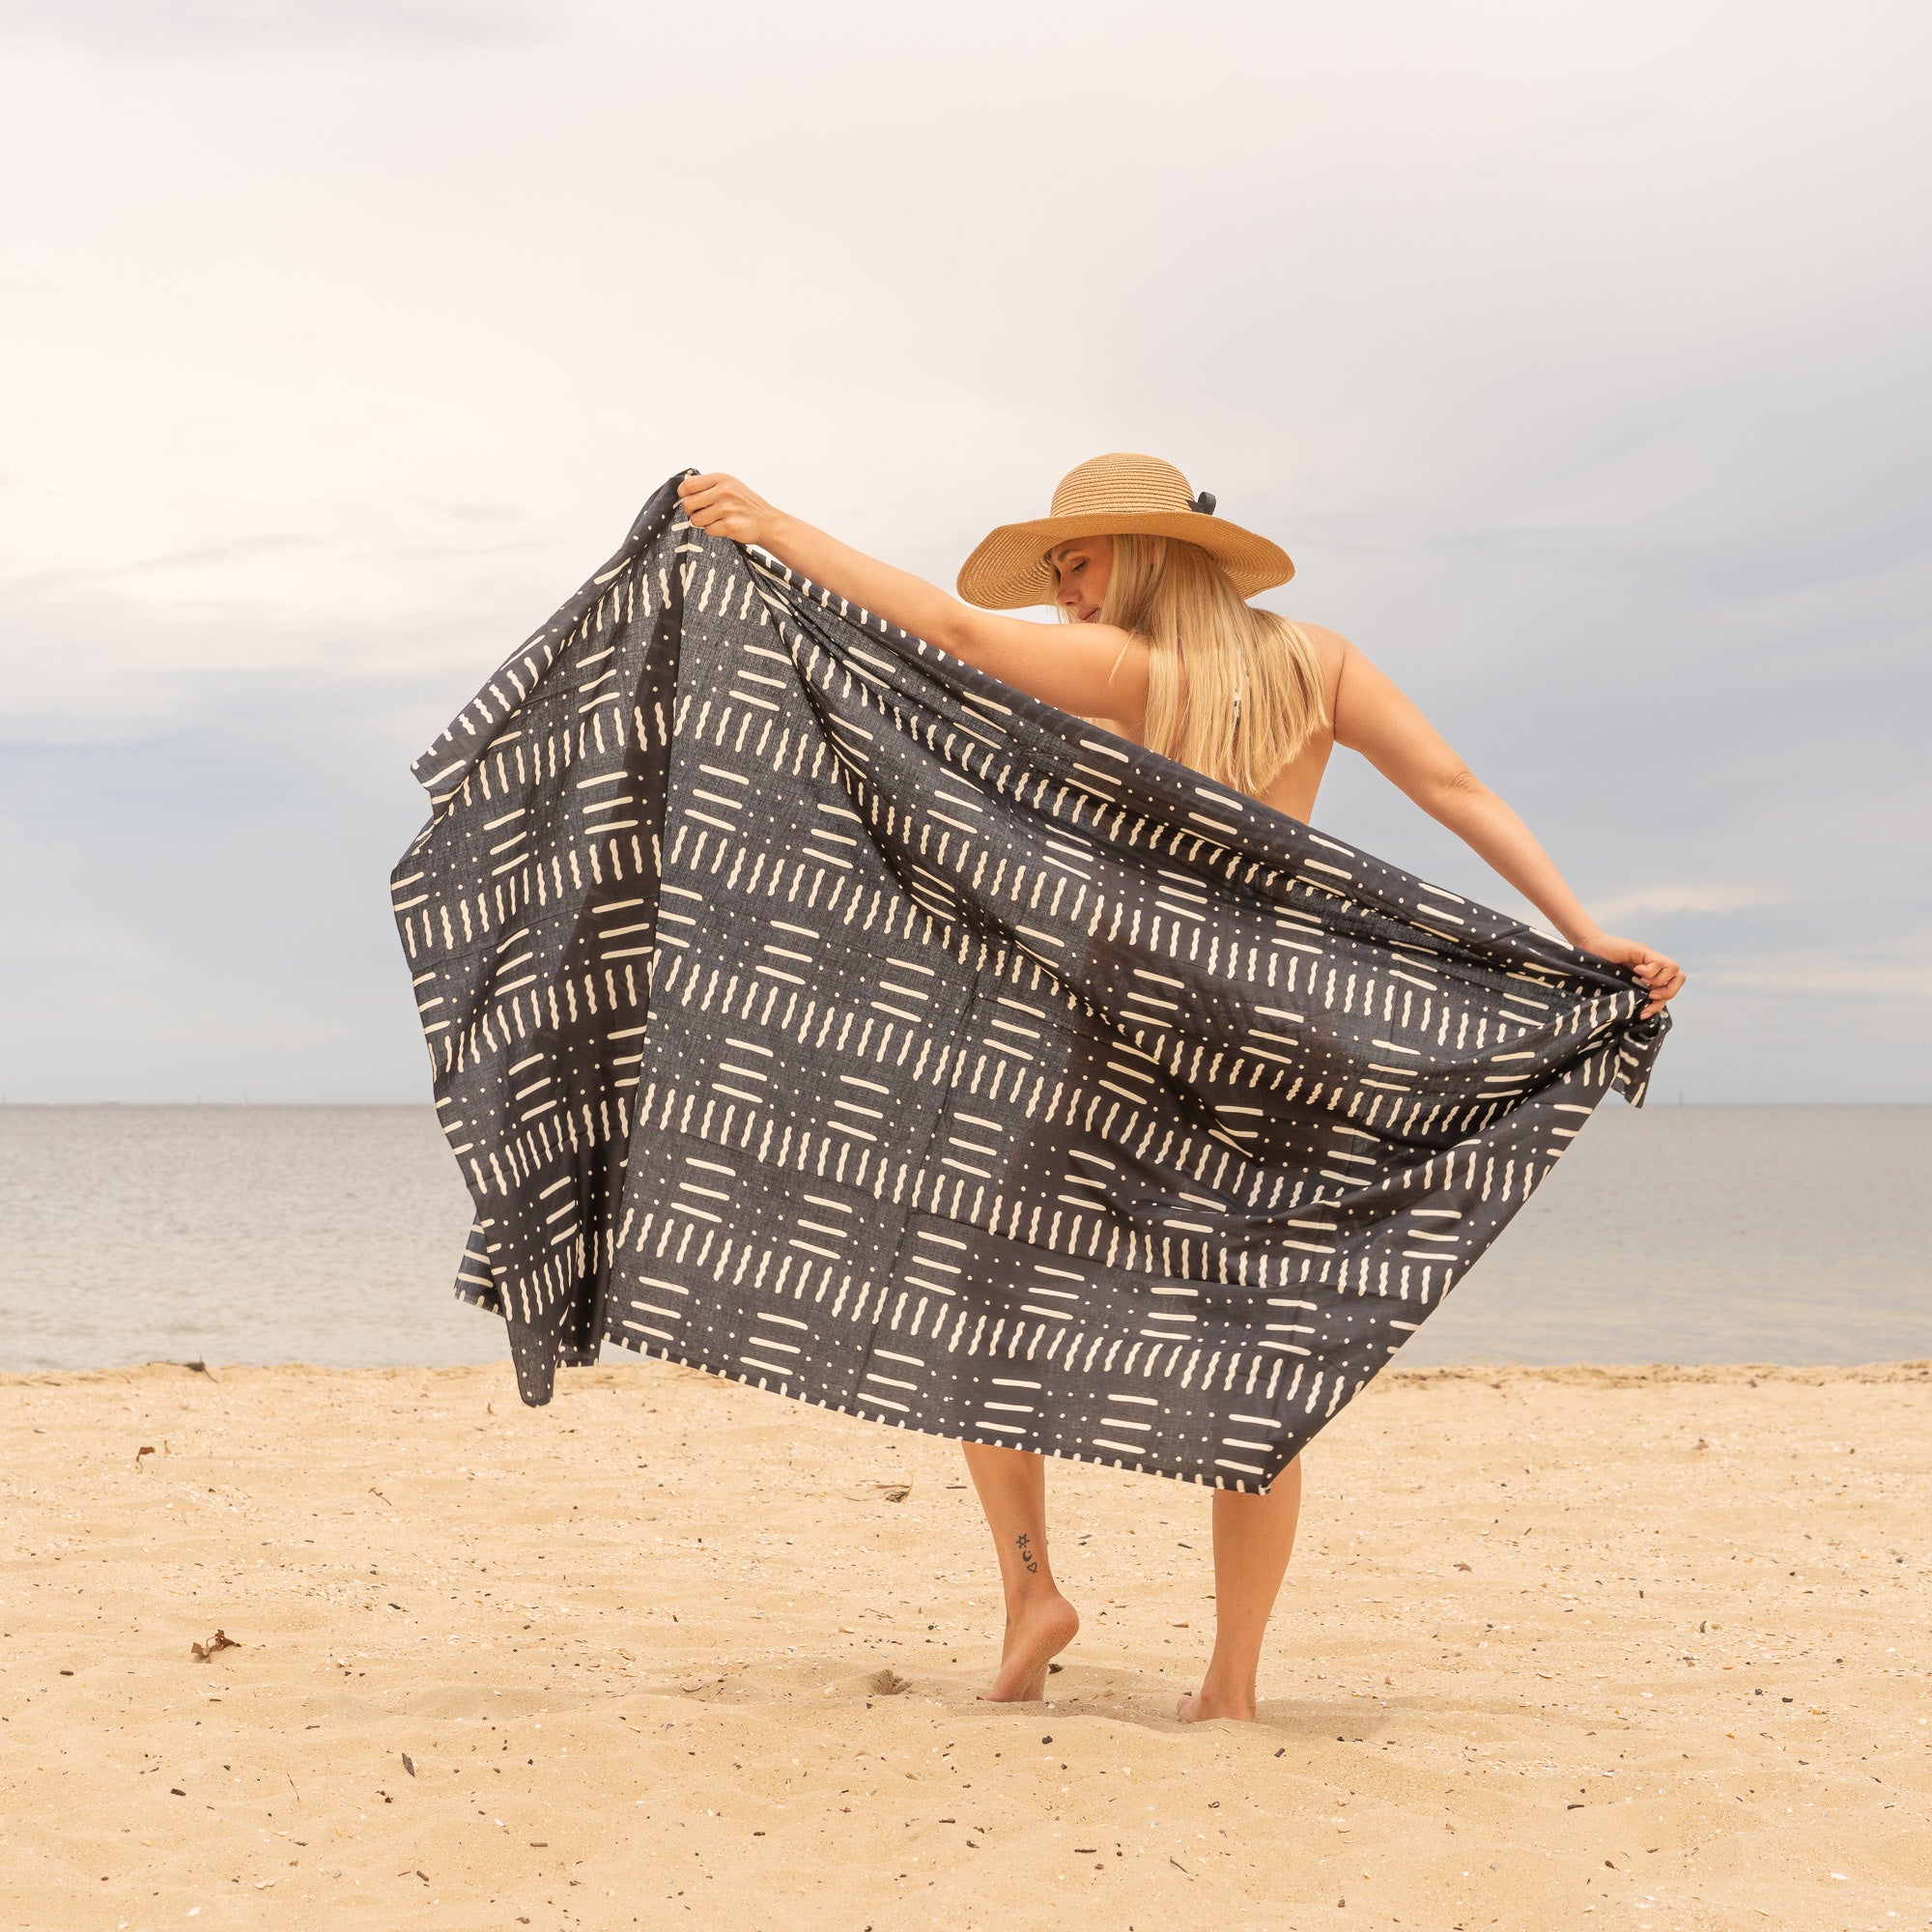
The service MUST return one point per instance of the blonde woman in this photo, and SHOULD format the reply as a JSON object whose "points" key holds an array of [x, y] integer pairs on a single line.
{"points": [[1162, 647]]}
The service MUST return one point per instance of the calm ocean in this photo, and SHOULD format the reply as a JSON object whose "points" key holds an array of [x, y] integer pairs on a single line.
{"points": [[331, 1234]]}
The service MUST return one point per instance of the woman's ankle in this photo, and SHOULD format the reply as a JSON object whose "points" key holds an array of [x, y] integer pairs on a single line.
{"points": [[1204, 1707], [1035, 1595], [1228, 1691], [1210, 1703]]}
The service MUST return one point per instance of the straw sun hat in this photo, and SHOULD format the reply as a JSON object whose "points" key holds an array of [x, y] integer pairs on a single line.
{"points": [[1112, 496]]}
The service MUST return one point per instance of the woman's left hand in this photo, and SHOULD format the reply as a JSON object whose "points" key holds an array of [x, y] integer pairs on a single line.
{"points": [[1663, 978], [721, 507]]}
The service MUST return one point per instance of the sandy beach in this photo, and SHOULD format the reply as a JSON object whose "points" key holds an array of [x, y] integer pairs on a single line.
{"points": [[1560, 1648]]}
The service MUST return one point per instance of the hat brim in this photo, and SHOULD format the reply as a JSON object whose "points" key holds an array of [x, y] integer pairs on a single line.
{"points": [[1009, 572]]}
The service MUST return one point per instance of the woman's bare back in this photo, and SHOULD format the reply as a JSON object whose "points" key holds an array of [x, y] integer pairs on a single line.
{"points": [[1294, 788]]}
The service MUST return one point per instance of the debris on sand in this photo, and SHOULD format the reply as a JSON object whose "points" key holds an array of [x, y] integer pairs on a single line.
{"points": [[220, 1640]]}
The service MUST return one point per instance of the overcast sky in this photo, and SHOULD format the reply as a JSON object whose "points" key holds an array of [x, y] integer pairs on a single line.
{"points": [[1576, 354]]}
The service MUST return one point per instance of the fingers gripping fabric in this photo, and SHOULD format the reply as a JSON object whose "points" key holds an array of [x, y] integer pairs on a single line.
{"points": [[808, 1008]]}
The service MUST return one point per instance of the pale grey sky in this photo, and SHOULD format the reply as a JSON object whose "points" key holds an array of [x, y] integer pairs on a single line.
{"points": [[1576, 356]]}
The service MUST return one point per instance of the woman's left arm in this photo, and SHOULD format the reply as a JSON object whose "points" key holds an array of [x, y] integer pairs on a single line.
{"points": [[1373, 717], [1089, 670]]}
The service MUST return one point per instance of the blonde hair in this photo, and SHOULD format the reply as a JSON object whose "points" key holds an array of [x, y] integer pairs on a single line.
{"points": [[1232, 691]]}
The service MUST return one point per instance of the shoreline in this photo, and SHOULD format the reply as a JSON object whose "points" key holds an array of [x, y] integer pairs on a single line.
{"points": [[1578, 1375], [673, 1649]]}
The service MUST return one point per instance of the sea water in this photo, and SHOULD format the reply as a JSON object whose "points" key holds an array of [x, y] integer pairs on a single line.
{"points": [[331, 1234]]}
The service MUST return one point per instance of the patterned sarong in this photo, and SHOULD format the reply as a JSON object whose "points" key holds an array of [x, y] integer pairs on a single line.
{"points": [[808, 1006]]}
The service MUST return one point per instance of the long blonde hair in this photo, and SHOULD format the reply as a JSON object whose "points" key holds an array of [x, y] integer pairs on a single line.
{"points": [[1232, 691]]}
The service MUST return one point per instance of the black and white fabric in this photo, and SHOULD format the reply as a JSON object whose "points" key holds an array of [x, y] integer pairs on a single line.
{"points": [[808, 1006]]}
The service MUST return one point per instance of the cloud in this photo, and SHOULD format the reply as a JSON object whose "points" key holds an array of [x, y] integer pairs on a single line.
{"points": [[1886, 979], [200, 27], [1690, 898]]}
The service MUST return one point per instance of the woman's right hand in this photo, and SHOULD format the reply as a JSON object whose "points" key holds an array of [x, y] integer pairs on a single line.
{"points": [[721, 507]]}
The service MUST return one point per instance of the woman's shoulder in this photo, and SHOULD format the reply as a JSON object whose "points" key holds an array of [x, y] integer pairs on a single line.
{"points": [[1331, 651], [1329, 643]]}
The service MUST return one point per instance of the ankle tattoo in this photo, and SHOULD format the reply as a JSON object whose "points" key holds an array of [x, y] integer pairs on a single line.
{"points": [[1024, 1543]]}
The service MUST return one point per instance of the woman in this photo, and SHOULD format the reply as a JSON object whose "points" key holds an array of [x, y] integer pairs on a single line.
{"points": [[1165, 650]]}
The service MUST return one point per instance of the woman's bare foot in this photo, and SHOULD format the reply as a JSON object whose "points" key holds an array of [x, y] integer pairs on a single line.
{"points": [[1041, 1622], [1041, 1629], [1198, 1706], [1253, 1538]]}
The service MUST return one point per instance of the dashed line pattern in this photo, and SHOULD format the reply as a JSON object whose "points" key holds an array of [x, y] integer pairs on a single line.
{"points": [[807, 1007]]}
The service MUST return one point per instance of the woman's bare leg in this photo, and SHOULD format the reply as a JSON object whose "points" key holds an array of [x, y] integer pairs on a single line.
{"points": [[1040, 1621], [1254, 1536]]}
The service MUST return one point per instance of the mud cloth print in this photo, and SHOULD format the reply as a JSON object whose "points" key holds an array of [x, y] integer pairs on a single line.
{"points": [[808, 1006]]}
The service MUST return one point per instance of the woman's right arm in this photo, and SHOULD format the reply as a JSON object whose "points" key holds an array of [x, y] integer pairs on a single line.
{"points": [[1089, 670]]}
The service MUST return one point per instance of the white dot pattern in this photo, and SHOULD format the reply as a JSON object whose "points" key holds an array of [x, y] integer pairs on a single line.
{"points": [[807, 1007]]}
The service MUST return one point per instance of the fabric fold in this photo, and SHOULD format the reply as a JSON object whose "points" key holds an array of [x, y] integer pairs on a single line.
{"points": [[808, 1006]]}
